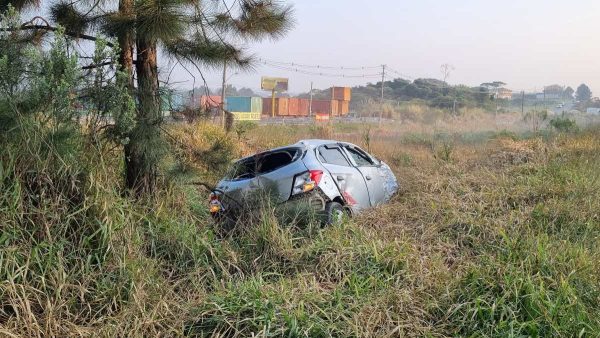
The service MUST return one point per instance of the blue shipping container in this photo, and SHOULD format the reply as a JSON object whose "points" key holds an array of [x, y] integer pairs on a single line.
{"points": [[243, 104]]}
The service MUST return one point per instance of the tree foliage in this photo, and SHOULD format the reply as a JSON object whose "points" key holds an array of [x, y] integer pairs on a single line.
{"points": [[568, 93], [195, 33], [583, 93]]}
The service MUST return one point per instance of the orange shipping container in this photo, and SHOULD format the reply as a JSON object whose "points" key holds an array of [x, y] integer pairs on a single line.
{"points": [[298, 107], [303, 107], [206, 102], [321, 106], [341, 93], [281, 106], [334, 107], [344, 108]]}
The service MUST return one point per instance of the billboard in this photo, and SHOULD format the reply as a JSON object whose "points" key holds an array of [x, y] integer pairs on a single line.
{"points": [[278, 84]]}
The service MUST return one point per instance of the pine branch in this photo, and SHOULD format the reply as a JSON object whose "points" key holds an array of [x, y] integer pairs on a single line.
{"points": [[53, 29]]}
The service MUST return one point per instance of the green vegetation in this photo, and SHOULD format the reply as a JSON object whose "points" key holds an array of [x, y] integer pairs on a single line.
{"points": [[563, 124], [491, 234], [193, 33]]}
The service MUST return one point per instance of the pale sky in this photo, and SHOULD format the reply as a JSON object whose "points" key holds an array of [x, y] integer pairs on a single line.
{"points": [[525, 43]]}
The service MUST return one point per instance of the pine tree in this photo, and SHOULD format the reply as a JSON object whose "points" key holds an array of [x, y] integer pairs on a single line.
{"points": [[201, 33]]}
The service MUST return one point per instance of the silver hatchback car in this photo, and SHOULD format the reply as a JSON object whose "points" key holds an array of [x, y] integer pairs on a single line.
{"points": [[334, 177]]}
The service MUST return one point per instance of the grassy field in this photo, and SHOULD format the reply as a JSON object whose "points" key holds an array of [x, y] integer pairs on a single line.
{"points": [[492, 234]]}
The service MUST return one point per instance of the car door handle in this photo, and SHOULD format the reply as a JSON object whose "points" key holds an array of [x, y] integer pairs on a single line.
{"points": [[368, 177], [340, 178]]}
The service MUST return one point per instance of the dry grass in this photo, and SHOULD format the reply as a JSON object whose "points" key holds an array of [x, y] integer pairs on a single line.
{"points": [[490, 235]]}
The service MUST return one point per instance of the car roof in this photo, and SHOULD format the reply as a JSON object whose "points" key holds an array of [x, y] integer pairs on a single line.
{"points": [[318, 142], [311, 143]]}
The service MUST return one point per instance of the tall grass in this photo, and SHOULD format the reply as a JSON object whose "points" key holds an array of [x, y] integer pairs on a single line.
{"points": [[500, 240]]}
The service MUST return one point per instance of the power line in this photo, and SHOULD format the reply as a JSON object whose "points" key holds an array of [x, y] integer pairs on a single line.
{"points": [[309, 69], [300, 65], [323, 74]]}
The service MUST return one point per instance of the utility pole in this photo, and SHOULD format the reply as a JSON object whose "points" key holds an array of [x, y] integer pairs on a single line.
{"points": [[382, 81], [454, 107], [310, 101], [544, 97], [331, 106], [273, 103], [223, 95]]}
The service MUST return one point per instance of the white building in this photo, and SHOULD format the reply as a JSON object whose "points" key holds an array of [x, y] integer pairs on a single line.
{"points": [[595, 111]]}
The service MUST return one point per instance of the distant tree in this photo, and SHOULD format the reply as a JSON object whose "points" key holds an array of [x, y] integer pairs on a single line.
{"points": [[493, 85], [446, 69], [554, 89], [246, 92], [568, 93], [583, 93]]}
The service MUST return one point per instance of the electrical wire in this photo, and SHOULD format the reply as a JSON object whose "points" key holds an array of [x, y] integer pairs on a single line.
{"points": [[322, 74], [300, 65]]}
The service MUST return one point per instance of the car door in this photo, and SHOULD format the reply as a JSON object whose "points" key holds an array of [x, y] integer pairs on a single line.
{"points": [[349, 180], [276, 172], [371, 171]]}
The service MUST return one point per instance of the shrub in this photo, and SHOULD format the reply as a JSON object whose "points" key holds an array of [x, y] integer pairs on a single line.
{"points": [[563, 124]]}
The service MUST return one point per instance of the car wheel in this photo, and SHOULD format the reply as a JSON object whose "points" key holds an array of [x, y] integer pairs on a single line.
{"points": [[334, 213]]}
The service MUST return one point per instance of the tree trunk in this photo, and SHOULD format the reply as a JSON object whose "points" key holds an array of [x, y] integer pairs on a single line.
{"points": [[144, 150], [126, 44]]}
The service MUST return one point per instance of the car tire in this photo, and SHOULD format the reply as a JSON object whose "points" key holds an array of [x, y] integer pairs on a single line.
{"points": [[334, 213]]}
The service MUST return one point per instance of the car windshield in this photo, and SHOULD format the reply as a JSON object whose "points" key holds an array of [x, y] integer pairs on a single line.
{"points": [[262, 163]]}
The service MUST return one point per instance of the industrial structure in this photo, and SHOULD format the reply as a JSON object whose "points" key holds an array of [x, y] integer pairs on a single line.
{"points": [[255, 108]]}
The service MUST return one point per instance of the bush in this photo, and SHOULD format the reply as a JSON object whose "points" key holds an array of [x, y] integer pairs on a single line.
{"points": [[563, 124], [202, 148]]}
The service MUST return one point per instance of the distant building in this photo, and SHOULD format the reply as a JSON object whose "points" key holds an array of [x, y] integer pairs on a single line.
{"points": [[595, 111], [548, 96], [504, 94]]}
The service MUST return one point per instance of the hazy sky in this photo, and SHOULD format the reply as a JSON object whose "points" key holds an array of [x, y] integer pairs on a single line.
{"points": [[525, 43]]}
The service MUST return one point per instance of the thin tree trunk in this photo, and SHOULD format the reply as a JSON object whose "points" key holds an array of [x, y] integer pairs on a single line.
{"points": [[126, 44], [143, 151]]}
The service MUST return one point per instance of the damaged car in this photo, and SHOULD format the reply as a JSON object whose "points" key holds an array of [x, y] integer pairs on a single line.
{"points": [[335, 178]]}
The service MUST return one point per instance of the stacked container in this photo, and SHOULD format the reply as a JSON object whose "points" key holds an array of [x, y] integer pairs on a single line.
{"points": [[281, 106], [342, 95]]}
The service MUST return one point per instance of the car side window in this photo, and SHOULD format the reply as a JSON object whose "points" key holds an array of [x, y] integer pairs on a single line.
{"points": [[359, 157], [332, 155]]}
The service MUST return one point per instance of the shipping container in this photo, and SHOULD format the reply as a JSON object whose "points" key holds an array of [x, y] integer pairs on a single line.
{"points": [[298, 107], [210, 101], [344, 108], [334, 108], [281, 106], [341, 93], [243, 104], [321, 106], [303, 107]]}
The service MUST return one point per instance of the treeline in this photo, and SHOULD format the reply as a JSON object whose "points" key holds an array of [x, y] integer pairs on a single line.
{"points": [[432, 92]]}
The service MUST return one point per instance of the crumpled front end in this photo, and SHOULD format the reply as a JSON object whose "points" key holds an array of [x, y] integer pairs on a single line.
{"points": [[390, 183]]}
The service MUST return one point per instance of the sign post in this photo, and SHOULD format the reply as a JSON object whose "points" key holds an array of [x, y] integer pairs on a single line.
{"points": [[274, 84]]}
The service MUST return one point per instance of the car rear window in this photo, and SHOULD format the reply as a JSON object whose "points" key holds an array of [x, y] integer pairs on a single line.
{"points": [[263, 163], [332, 155]]}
